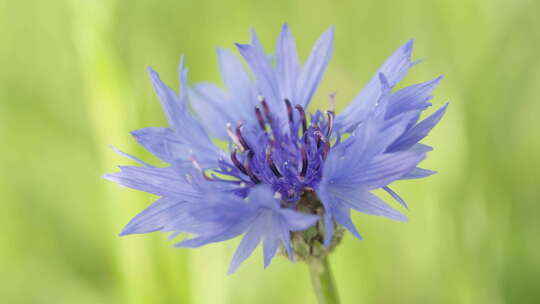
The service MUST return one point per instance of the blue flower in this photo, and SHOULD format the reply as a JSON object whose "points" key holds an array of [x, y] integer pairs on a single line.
{"points": [[279, 156]]}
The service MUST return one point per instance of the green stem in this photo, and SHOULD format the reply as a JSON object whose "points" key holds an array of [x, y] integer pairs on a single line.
{"points": [[323, 283]]}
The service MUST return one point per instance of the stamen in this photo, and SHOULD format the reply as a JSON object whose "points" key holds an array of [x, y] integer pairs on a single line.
{"points": [[249, 172], [302, 117], [330, 115], [266, 110], [304, 161], [199, 168], [196, 164], [233, 137], [319, 135], [237, 163], [289, 110], [271, 163], [332, 101], [325, 143], [260, 118], [326, 149], [241, 138]]}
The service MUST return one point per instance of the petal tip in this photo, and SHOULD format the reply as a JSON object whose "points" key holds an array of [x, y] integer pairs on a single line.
{"points": [[408, 46]]}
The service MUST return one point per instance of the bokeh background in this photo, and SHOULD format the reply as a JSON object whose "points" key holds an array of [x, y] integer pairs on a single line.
{"points": [[73, 80]]}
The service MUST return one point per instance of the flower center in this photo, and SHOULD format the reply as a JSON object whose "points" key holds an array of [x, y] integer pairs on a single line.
{"points": [[288, 155]]}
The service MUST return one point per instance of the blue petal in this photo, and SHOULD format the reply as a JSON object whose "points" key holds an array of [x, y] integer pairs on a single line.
{"points": [[235, 77], [410, 98], [170, 146], [357, 199], [216, 233], [156, 216], [277, 231], [419, 131], [395, 196], [297, 221], [159, 181], [134, 158], [256, 43], [188, 131], [247, 245], [385, 169], [314, 68], [351, 158], [287, 63], [162, 142], [172, 106], [264, 74], [285, 237], [418, 173], [395, 68], [214, 108], [270, 246], [328, 223], [225, 216], [342, 214], [263, 196], [421, 148]]}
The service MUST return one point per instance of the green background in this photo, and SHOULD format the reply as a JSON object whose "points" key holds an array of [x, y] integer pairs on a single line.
{"points": [[73, 80]]}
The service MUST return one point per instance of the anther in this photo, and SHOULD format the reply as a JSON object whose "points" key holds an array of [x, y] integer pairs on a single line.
{"points": [[289, 110], [302, 117], [199, 168], [322, 140], [260, 118], [271, 163], [249, 172], [330, 115], [237, 163], [233, 137], [303, 151], [332, 101], [320, 137], [266, 110], [241, 138]]}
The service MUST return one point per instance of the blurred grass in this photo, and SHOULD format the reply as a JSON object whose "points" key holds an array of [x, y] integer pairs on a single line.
{"points": [[73, 80]]}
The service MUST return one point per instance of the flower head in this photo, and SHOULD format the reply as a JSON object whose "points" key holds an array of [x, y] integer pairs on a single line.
{"points": [[286, 170]]}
